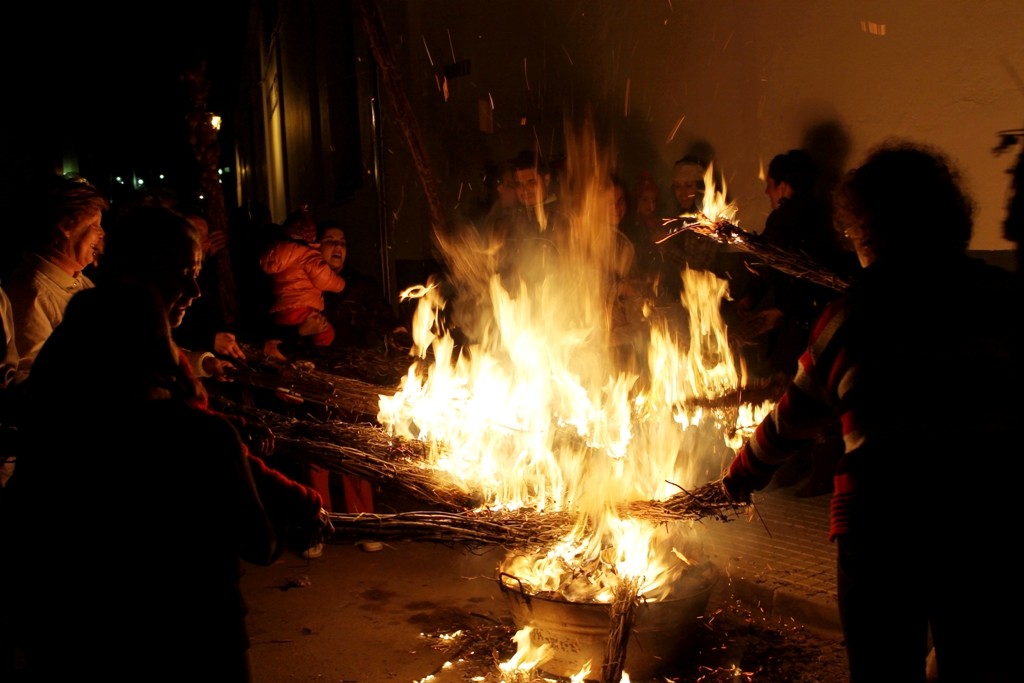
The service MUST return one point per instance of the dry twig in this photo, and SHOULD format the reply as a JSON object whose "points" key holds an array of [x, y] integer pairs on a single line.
{"points": [[623, 613], [366, 451], [791, 263], [525, 529]]}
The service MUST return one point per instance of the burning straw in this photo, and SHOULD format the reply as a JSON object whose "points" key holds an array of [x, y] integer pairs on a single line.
{"points": [[524, 529], [792, 263], [363, 450], [623, 614], [366, 451]]}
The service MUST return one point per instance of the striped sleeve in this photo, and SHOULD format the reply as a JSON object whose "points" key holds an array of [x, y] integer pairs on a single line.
{"points": [[807, 407]]}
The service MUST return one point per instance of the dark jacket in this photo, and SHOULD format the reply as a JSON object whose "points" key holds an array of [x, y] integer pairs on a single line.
{"points": [[923, 385], [142, 518]]}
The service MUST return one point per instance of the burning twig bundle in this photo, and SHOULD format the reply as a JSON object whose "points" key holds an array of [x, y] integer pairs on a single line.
{"points": [[525, 529], [707, 500], [622, 617], [791, 263], [362, 450], [759, 393], [366, 451], [393, 468], [475, 529]]}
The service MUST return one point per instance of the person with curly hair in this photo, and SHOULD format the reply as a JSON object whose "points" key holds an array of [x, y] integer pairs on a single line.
{"points": [[914, 361]]}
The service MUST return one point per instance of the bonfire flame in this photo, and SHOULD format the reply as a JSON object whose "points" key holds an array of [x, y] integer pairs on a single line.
{"points": [[541, 405], [526, 658]]}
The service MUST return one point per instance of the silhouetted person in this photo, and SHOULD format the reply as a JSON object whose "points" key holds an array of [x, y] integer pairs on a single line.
{"points": [[530, 233], [914, 361], [787, 305], [149, 476]]}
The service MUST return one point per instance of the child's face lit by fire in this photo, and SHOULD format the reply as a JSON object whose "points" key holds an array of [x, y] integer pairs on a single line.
{"points": [[334, 248]]}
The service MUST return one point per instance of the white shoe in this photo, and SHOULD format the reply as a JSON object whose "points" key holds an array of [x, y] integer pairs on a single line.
{"points": [[370, 546], [313, 552]]}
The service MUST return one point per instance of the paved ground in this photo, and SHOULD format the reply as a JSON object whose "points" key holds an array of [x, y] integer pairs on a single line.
{"points": [[781, 559], [357, 617]]}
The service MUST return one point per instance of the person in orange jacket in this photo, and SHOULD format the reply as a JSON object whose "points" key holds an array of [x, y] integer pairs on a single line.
{"points": [[300, 276]]}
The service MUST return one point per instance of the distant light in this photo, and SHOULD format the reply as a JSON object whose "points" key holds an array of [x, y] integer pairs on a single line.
{"points": [[161, 176], [140, 182], [215, 121], [119, 180], [873, 27]]}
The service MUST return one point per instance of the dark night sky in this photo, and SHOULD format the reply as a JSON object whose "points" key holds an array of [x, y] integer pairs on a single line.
{"points": [[106, 80]]}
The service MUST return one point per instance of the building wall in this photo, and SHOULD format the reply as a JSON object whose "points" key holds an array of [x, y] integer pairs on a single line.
{"points": [[736, 80], [741, 79], [311, 101]]}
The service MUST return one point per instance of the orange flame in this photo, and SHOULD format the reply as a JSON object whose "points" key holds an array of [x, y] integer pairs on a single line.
{"points": [[540, 409]]}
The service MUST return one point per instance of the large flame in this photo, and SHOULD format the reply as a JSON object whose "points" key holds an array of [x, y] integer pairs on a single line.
{"points": [[568, 391], [716, 205]]}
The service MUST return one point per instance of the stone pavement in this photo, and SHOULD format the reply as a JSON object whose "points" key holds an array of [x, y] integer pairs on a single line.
{"points": [[780, 559], [358, 617]]}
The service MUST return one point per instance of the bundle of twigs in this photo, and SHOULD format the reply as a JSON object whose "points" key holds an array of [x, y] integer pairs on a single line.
{"points": [[792, 263], [366, 451], [771, 390], [623, 614], [384, 366], [510, 530], [301, 381], [363, 450], [707, 500], [525, 529]]}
